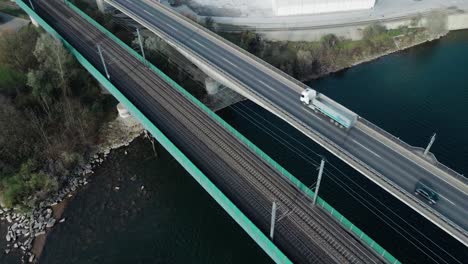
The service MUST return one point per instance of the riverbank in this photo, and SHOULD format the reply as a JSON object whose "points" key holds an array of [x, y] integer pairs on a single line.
{"points": [[146, 209], [173, 221], [27, 232], [307, 60], [159, 228], [400, 48]]}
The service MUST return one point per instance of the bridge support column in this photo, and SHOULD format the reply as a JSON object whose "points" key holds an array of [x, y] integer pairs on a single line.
{"points": [[103, 6], [319, 179], [123, 112], [211, 86], [33, 21]]}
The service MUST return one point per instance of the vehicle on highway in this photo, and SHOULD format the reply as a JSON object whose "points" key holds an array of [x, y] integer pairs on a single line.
{"points": [[338, 114], [426, 192]]}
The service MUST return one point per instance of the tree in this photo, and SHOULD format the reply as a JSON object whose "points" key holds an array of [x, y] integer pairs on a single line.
{"points": [[175, 3], [11, 81], [329, 41], [17, 139], [16, 47], [54, 74], [56, 62], [304, 63], [27, 186], [209, 23], [251, 41]]}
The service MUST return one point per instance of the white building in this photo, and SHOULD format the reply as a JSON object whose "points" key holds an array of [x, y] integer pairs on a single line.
{"points": [[302, 7]]}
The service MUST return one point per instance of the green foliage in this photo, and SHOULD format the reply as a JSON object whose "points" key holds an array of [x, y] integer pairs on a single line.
{"points": [[49, 115], [27, 186], [175, 3], [329, 41], [17, 140], [373, 30], [209, 23], [16, 47], [251, 41], [16, 12], [305, 60], [11, 81]]}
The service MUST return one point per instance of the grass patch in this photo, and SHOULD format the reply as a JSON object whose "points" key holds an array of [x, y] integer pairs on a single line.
{"points": [[14, 12]]}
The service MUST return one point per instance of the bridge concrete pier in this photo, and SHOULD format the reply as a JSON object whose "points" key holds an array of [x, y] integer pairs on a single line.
{"points": [[123, 112], [33, 21], [103, 6], [211, 86]]}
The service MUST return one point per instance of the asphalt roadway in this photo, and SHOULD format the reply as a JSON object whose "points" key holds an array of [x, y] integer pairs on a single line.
{"points": [[305, 233], [398, 168]]}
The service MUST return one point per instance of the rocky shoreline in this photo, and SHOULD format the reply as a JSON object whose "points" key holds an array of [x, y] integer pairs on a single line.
{"points": [[26, 232]]}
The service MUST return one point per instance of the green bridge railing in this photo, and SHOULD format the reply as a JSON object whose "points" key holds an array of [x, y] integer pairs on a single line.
{"points": [[252, 230]]}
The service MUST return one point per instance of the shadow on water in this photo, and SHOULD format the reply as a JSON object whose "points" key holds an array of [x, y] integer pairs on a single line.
{"points": [[410, 94], [159, 214], [172, 220]]}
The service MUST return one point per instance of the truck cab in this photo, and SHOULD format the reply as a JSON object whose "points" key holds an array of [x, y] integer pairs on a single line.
{"points": [[307, 95]]}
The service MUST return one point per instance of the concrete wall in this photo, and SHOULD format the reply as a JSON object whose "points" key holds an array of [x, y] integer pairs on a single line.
{"points": [[454, 22], [348, 32], [457, 22], [301, 7]]}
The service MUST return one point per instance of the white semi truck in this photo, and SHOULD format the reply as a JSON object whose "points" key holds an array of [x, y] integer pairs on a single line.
{"points": [[338, 114]]}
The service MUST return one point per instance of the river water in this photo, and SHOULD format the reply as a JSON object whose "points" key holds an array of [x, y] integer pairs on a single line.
{"points": [[159, 214]]}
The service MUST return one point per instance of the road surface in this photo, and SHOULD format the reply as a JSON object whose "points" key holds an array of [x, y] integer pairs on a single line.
{"points": [[306, 234], [401, 170]]}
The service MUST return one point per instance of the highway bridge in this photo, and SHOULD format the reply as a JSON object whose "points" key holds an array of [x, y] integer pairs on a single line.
{"points": [[390, 163], [239, 177]]}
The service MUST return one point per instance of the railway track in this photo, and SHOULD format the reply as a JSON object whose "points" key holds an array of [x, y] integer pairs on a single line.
{"points": [[307, 234]]}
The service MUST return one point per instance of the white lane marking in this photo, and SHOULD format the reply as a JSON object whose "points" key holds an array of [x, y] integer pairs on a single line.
{"points": [[173, 28], [228, 61], [438, 193], [147, 12], [446, 199], [151, 14], [199, 44], [411, 160], [367, 148]]}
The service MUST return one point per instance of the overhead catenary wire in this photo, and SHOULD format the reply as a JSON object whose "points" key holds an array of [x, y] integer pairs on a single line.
{"points": [[139, 72], [329, 173]]}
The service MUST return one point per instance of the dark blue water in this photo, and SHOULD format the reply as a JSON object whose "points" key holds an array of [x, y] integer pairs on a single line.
{"points": [[411, 94], [171, 220]]}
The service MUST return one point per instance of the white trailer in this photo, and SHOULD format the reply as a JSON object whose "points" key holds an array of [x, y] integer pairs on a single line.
{"points": [[337, 113]]}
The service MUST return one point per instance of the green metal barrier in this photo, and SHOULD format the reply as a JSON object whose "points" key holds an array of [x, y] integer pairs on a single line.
{"points": [[339, 217], [251, 229], [233, 211]]}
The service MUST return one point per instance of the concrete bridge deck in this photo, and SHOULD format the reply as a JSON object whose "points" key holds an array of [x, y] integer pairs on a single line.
{"points": [[306, 235], [378, 155]]}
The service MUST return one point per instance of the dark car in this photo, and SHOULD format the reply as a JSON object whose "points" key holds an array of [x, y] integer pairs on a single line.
{"points": [[426, 192]]}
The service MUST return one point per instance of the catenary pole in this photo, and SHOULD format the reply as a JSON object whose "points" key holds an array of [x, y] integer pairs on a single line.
{"points": [[103, 61], [430, 144], [319, 178], [141, 44], [273, 220]]}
